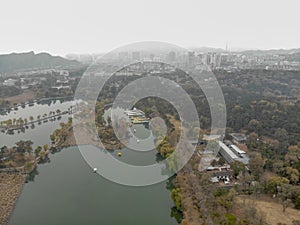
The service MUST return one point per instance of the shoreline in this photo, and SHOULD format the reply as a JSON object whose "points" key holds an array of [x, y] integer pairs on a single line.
{"points": [[23, 183], [85, 139], [11, 189], [15, 202], [15, 196], [18, 184], [25, 101]]}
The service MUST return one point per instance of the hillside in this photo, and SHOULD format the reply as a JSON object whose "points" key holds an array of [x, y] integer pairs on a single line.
{"points": [[272, 52], [30, 60]]}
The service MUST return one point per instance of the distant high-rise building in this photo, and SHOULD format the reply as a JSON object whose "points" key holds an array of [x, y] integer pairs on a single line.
{"points": [[213, 60], [171, 57], [191, 59], [201, 59], [227, 49], [152, 57], [136, 56], [209, 58], [123, 55], [218, 59]]}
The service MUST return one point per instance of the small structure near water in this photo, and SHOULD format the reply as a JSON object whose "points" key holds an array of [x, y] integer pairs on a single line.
{"points": [[137, 116]]}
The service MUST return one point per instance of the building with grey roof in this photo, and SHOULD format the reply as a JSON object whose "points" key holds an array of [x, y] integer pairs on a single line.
{"points": [[233, 154]]}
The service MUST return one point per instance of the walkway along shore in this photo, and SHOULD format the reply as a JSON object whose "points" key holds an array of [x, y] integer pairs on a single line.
{"points": [[11, 185], [19, 127]]}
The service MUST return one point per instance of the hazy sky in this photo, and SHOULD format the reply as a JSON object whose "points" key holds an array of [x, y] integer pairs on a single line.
{"points": [[93, 26]]}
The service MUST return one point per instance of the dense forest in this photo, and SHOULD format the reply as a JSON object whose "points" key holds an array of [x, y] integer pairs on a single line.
{"points": [[260, 101], [262, 104]]}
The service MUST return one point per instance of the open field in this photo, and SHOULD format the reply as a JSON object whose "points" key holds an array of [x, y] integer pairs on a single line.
{"points": [[272, 210], [25, 96]]}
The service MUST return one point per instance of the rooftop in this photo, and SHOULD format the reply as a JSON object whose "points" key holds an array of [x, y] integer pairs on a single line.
{"points": [[236, 148], [228, 151], [238, 136]]}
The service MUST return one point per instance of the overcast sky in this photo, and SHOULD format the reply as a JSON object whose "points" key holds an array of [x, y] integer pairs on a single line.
{"points": [[93, 26]]}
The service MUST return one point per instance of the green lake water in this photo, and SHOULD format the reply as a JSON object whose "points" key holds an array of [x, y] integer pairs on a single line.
{"points": [[66, 191]]}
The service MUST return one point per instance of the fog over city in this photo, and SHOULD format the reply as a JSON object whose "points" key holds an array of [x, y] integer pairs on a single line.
{"points": [[62, 27]]}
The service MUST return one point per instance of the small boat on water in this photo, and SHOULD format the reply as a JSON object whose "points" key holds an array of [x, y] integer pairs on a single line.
{"points": [[120, 154], [95, 170], [138, 141]]}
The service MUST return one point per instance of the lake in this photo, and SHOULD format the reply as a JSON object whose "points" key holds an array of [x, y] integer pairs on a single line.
{"points": [[40, 134], [67, 192]]}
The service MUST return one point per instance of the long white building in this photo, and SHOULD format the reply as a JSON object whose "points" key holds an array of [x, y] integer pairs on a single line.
{"points": [[234, 154]]}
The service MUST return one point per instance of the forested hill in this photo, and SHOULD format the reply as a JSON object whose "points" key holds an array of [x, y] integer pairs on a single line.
{"points": [[30, 60]]}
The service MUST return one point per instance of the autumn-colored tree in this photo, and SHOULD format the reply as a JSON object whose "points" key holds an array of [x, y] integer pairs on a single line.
{"points": [[38, 150], [285, 193], [276, 182], [293, 175], [252, 141], [24, 146], [293, 154], [52, 137], [256, 166], [164, 148], [45, 147], [177, 198], [237, 167]]}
